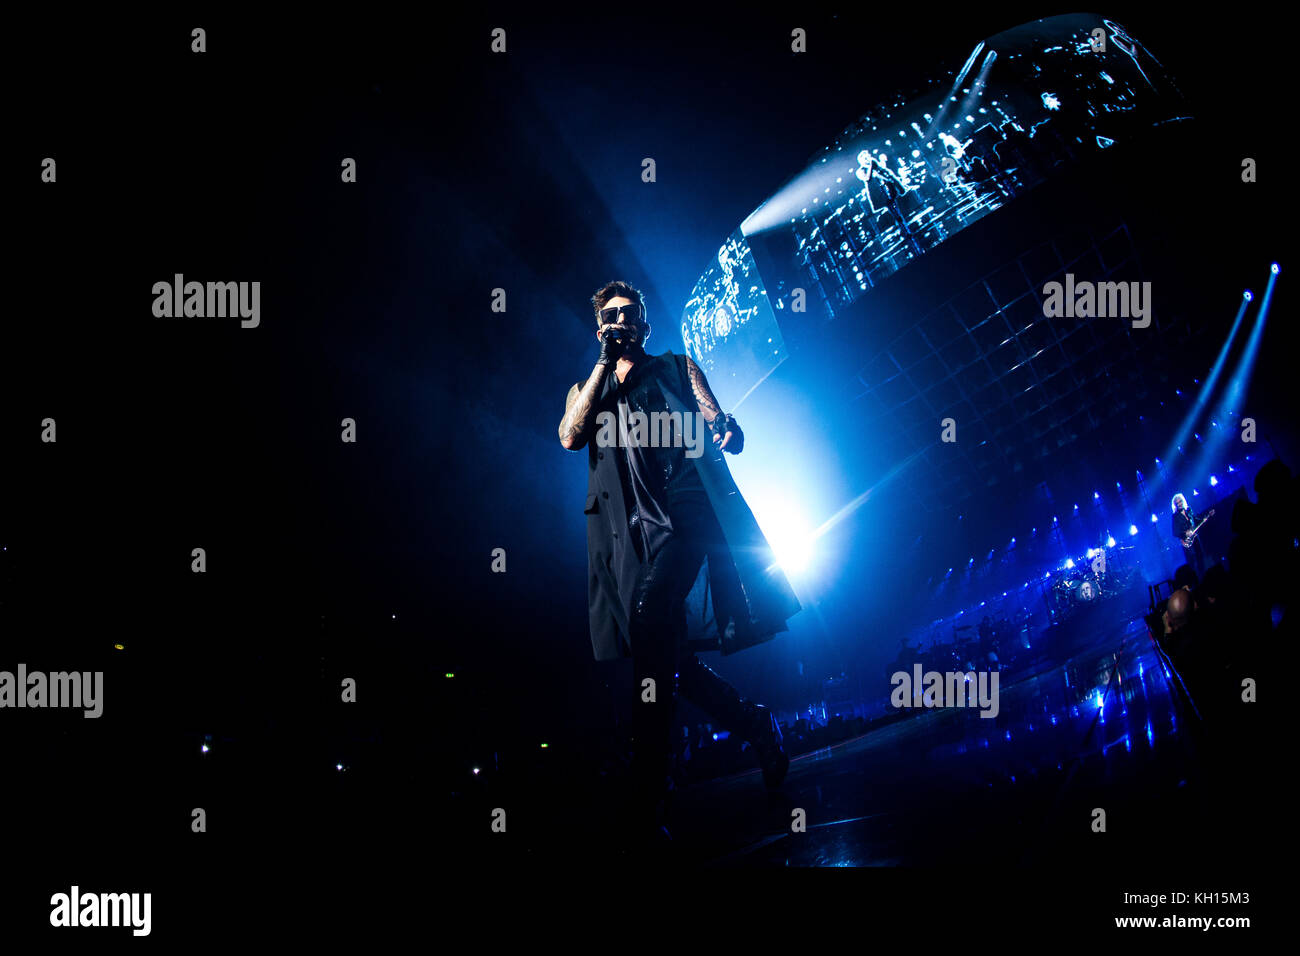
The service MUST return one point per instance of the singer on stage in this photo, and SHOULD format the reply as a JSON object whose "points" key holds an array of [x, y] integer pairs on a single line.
{"points": [[654, 514]]}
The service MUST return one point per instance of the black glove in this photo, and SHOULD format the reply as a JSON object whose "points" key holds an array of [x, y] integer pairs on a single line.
{"points": [[611, 347], [722, 424]]}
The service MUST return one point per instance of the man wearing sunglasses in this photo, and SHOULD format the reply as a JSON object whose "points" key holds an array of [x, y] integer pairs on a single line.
{"points": [[654, 514]]}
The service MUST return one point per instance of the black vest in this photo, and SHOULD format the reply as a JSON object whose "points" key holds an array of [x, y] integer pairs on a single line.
{"points": [[749, 596]]}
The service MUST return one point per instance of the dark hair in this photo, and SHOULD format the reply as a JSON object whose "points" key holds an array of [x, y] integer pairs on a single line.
{"points": [[612, 290]]}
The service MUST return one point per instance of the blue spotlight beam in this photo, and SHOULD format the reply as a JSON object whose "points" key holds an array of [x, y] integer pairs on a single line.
{"points": [[1233, 402], [860, 500], [1207, 389], [1188, 423], [1239, 388]]}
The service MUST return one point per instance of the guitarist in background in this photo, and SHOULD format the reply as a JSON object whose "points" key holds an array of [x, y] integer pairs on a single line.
{"points": [[1186, 524]]}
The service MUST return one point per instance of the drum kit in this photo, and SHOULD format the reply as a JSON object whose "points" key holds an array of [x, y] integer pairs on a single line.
{"points": [[1075, 588], [1086, 582]]}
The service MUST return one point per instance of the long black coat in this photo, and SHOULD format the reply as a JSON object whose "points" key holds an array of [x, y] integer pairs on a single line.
{"points": [[751, 598]]}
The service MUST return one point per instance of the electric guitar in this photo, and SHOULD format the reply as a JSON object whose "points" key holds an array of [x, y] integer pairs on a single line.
{"points": [[1190, 535]]}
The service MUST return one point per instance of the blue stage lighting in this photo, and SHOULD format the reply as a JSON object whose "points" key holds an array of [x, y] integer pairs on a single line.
{"points": [[1069, 562], [791, 541], [1110, 541], [1132, 529], [1154, 519], [1213, 481]]}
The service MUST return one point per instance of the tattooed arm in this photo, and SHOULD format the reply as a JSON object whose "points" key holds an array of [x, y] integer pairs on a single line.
{"points": [[580, 410], [734, 439]]}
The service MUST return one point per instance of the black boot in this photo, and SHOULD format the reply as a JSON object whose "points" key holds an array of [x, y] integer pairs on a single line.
{"points": [[750, 721], [765, 735]]}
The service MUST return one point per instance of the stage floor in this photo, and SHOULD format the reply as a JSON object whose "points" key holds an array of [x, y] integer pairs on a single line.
{"points": [[947, 787]]}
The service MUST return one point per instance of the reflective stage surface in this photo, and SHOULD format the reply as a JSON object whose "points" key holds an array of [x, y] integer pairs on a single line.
{"points": [[1096, 726]]}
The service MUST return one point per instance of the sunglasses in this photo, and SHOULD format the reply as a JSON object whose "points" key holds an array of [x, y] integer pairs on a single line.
{"points": [[610, 315]]}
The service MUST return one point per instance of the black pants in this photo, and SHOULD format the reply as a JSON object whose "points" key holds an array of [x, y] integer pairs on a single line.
{"points": [[1195, 556], [658, 635]]}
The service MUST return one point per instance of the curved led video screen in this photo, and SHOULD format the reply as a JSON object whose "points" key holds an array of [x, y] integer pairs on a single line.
{"points": [[908, 175]]}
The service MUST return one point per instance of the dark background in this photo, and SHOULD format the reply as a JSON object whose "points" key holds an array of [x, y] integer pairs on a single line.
{"points": [[475, 172]]}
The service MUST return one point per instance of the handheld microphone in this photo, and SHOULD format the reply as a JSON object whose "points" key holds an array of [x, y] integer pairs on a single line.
{"points": [[617, 333]]}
